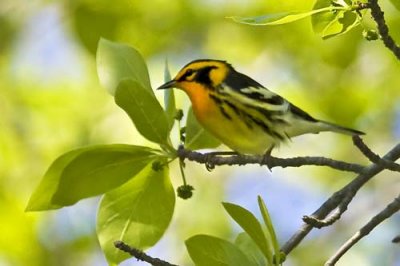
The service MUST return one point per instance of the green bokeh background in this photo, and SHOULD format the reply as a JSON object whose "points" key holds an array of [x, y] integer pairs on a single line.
{"points": [[51, 102]]}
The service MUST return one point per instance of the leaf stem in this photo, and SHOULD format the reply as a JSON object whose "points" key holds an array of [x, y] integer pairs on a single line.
{"points": [[181, 166]]}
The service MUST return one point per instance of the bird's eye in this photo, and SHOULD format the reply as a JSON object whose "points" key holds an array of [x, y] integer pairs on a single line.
{"points": [[189, 72]]}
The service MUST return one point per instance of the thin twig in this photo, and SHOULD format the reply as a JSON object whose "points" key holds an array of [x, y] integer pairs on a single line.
{"points": [[269, 161], [383, 29], [140, 255], [348, 191], [390, 209], [373, 157], [333, 216]]}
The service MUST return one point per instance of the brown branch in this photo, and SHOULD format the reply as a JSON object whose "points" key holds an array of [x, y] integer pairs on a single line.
{"points": [[340, 198], [390, 209], [383, 29], [140, 255], [270, 161], [333, 216], [373, 157], [332, 209]]}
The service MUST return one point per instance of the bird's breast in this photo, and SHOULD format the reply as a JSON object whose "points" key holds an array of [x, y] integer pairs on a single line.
{"points": [[203, 106]]}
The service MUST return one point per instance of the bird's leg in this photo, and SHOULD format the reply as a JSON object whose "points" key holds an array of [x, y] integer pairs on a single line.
{"points": [[267, 156]]}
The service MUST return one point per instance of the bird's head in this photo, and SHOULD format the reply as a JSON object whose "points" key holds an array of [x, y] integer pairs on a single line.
{"points": [[205, 72]]}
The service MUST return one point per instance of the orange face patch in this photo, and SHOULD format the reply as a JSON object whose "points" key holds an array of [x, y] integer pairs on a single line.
{"points": [[199, 96]]}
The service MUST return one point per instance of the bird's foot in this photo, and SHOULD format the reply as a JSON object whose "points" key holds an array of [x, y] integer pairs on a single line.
{"points": [[266, 158]]}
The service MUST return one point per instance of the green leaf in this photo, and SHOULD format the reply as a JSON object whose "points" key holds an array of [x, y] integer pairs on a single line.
{"points": [[196, 136], [320, 20], [247, 245], [396, 4], [271, 236], [169, 98], [116, 62], [212, 251], [87, 172], [280, 18], [249, 223], [143, 109], [333, 23], [344, 22], [137, 213]]}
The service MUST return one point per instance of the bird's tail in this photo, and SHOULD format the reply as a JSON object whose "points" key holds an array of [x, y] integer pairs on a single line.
{"points": [[340, 129]]}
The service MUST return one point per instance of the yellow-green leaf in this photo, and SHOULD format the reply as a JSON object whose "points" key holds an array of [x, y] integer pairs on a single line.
{"points": [[88, 172], [396, 3], [137, 213], [169, 98], [271, 236], [249, 223], [143, 109], [116, 61], [212, 251], [335, 21], [249, 247], [280, 18]]}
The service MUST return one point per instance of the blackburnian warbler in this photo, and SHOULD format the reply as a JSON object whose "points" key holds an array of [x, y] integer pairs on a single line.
{"points": [[240, 112]]}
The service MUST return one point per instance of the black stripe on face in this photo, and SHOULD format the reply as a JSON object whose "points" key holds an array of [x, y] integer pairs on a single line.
{"points": [[189, 72], [203, 76]]}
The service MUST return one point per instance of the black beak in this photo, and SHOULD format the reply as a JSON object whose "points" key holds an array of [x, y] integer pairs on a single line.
{"points": [[170, 84]]}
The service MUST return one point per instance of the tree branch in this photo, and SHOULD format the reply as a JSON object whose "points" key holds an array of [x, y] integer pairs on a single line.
{"points": [[332, 209], [140, 255], [373, 157], [339, 199], [383, 29], [270, 161], [390, 209], [333, 216]]}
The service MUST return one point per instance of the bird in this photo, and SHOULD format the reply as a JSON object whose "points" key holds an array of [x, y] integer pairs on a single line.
{"points": [[240, 112]]}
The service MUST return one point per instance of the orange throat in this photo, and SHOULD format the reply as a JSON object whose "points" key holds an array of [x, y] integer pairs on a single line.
{"points": [[202, 105]]}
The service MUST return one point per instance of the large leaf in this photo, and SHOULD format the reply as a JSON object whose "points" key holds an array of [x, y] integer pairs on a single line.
{"points": [[249, 247], [87, 172], [143, 109], [212, 251], [320, 21], [169, 98], [116, 62], [137, 213], [333, 23], [276, 18], [344, 22], [249, 223], [196, 136]]}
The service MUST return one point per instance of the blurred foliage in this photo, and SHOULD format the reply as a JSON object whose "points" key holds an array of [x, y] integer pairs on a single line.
{"points": [[345, 79]]}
